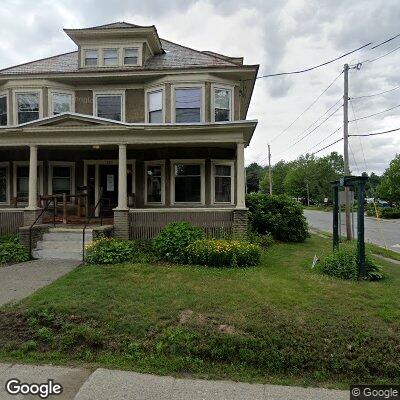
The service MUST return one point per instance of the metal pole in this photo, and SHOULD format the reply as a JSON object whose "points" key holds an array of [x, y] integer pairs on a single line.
{"points": [[360, 231], [336, 211], [269, 170], [346, 147]]}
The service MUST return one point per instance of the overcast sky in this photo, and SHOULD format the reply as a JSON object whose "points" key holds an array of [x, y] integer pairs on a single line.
{"points": [[279, 35]]}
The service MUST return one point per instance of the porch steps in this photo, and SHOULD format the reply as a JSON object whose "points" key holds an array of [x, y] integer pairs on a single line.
{"points": [[62, 244]]}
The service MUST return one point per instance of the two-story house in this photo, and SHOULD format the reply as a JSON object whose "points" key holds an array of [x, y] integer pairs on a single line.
{"points": [[155, 129]]}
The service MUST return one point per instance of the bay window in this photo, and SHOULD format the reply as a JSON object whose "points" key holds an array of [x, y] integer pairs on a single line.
{"points": [[155, 106], [188, 103], [27, 106], [188, 181], [110, 57], [222, 182], [3, 110], [109, 106], [222, 98], [61, 102], [155, 184]]}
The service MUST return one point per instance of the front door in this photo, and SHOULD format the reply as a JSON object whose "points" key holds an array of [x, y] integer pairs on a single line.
{"points": [[109, 186]]}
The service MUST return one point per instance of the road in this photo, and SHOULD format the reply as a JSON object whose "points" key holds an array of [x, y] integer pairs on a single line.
{"points": [[375, 232]]}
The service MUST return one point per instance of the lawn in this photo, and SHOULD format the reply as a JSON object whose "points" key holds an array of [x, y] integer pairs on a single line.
{"points": [[280, 322]]}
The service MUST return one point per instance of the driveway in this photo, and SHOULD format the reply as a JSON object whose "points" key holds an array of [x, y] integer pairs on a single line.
{"points": [[377, 232], [20, 280]]}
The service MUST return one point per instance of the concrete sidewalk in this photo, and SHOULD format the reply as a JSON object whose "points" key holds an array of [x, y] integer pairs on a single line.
{"points": [[102, 384], [20, 280]]}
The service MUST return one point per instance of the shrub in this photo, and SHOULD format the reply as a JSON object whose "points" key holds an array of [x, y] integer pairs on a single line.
{"points": [[173, 239], [110, 251], [342, 263], [279, 215], [12, 252], [10, 239], [264, 241], [390, 213], [223, 253]]}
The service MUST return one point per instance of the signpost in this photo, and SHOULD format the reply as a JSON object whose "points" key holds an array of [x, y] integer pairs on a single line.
{"points": [[358, 183]]}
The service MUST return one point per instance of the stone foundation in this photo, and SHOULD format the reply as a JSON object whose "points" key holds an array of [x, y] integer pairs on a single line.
{"points": [[105, 231], [121, 224], [37, 234], [30, 217], [240, 223]]}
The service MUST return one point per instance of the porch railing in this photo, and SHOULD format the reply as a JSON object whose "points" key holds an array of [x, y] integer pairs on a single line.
{"points": [[10, 221]]}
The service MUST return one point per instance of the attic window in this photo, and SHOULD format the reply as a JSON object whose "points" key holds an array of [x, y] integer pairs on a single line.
{"points": [[91, 57], [131, 56], [110, 57]]}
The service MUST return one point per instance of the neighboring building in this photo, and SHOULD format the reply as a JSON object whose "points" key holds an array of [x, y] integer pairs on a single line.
{"points": [[155, 128]]}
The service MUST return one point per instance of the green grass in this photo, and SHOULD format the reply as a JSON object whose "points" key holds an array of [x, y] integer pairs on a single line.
{"points": [[280, 322]]}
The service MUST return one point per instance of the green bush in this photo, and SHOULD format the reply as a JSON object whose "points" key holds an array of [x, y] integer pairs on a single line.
{"points": [[390, 213], [342, 263], [264, 241], [173, 239], [13, 252], [279, 215], [110, 251], [10, 239], [223, 253]]}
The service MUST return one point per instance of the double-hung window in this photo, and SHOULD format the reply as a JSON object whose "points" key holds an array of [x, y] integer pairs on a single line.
{"points": [[131, 56], [62, 179], [4, 188], [188, 181], [222, 182], [155, 184], [109, 106], [155, 106], [3, 110], [91, 58], [188, 104], [222, 104], [27, 106], [61, 102], [110, 57]]}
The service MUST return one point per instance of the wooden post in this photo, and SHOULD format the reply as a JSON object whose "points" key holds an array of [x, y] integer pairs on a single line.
{"points": [[64, 208]]}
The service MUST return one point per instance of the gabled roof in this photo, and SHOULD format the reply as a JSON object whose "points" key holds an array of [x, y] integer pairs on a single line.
{"points": [[116, 25], [175, 57]]}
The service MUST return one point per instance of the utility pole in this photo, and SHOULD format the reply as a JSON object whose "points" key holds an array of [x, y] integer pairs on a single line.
{"points": [[269, 170], [346, 147]]}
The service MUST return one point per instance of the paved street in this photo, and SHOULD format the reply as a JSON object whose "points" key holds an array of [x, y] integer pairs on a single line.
{"points": [[103, 384], [20, 280], [375, 232]]}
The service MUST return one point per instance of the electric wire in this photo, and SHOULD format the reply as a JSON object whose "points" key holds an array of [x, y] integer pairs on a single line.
{"points": [[329, 145], [375, 133], [373, 115], [374, 94], [385, 41], [327, 137]]}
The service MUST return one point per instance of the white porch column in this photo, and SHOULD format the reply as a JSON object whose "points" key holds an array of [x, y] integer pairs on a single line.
{"points": [[122, 179], [33, 163], [240, 201]]}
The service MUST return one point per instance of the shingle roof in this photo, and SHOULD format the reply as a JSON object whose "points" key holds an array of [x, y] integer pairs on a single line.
{"points": [[175, 57]]}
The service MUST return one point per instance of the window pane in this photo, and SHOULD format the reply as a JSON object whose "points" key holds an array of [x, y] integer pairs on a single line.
{"points": [[3, 184], [28, 107], [110, 57], [187, 169], [222, 170], [109, 107], [61, 103], [61, 172], [154, 184], [155, 101], [156, 117], [3, 110], [221, 115], [91, 57], [61, 180], [222, 189], [131, 57], [222, 98], [187, 105], [187, 189]]}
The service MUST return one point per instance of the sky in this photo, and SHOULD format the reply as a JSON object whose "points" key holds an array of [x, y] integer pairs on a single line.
{"points": [[279, 35]]}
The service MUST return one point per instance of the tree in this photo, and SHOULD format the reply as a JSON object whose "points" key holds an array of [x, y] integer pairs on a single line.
{"points": [[372, 184], [254, 173], [389, 188], [279, 171]]}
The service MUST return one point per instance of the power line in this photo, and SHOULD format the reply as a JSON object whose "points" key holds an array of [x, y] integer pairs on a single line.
{"points": [[327, 137], [386, 41], [378, 113], [356, 123], [329, 145], [384, 55], [375, 94], [314, 67], [354, 158], [376, 133], [307, 108]]}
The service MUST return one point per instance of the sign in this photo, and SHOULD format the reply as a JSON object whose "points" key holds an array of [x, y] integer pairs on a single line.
{"points": [[315, 261], [110, 183]]}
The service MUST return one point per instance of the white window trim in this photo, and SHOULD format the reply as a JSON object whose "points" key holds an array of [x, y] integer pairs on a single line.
{"points": [[139, 57], [60, 91], [200, 162], [231, 111], [189, 86], [22, 91], [6, 95], [17, 164], [146, 102], [52, 164], [231, 163], [118, 57], [121, 93], [162, 164], [99, 57], [7, 165]]}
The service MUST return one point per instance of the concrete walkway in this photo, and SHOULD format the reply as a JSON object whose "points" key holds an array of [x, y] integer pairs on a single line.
{"points": [[20, 280], [102, 384]]}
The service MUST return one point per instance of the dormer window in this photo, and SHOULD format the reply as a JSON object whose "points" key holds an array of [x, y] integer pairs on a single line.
{"points": [[110, 57], [91, 58], [131, 56]]}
